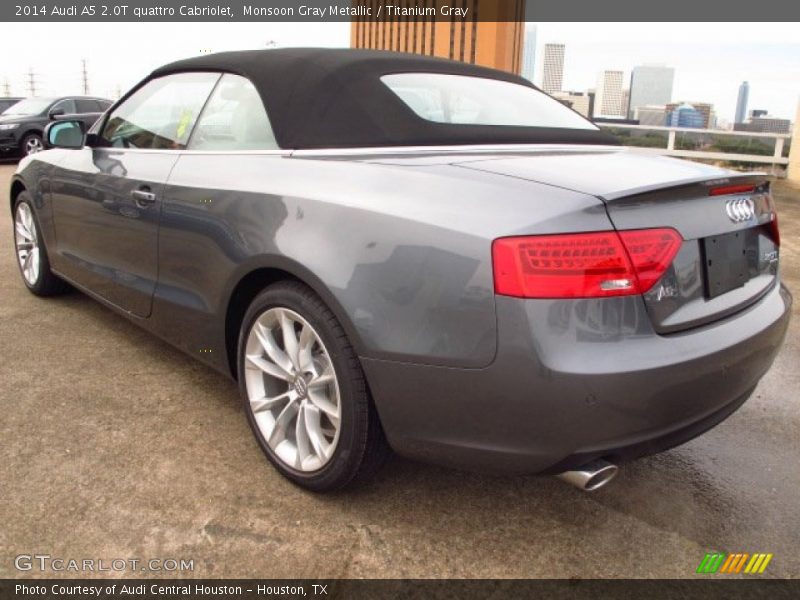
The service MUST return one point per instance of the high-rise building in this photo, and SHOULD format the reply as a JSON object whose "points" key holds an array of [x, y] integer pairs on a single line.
{"points": [[764, 124], [577, 101], [685, 115], [494, 41], [705, 109], [741, 102], [553, 71], [652, 116], [608, 98], [529, 53], [651, 85]]}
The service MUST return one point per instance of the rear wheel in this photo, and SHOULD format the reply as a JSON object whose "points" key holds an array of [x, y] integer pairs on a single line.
{"points": [[34, 265], [304, 392]]}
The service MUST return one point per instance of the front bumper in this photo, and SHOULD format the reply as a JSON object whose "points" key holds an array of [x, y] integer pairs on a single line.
{"points": [[9, 142], [575, 380]]}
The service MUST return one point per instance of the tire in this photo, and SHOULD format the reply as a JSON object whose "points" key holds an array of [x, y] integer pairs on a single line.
{"points": [[32, 260], [300, 434], [31, 144]]}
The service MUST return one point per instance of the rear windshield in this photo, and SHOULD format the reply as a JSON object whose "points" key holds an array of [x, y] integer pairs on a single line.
{"points": [[466, 100]]}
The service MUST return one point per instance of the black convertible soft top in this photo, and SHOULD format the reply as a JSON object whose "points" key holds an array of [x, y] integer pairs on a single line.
{"points": [[334, 98]]}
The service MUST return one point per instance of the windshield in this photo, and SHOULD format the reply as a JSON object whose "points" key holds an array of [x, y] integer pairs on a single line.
{"points": [[29, 106], [465, 100]]}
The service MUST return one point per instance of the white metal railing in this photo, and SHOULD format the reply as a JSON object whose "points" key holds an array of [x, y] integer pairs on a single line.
{"points": [[776, 159]]}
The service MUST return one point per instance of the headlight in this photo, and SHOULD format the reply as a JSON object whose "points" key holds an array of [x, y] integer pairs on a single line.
{"points": [[8, 126]]}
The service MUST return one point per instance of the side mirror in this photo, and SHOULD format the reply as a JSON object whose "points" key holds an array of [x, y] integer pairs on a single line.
{"points": [[64, 134], [56, 112]]}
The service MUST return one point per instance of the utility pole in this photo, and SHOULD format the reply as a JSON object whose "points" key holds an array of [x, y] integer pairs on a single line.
{"points": [[85, 77], [6, 88], [31, 82]]}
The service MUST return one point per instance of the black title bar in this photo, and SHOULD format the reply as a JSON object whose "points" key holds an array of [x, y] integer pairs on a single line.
{"points": [[321, 11], [710, 588]]}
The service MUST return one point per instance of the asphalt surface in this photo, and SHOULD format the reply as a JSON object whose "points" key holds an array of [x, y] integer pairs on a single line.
{"points": [[115, 445]]}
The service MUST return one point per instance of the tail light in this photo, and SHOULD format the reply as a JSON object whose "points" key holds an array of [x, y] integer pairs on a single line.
{"points": [[774, 232], [583, 265]]}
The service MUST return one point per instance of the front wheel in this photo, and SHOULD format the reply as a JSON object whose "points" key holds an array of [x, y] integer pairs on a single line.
{"points": [[31, 144], [304, 392], [34, 265]]}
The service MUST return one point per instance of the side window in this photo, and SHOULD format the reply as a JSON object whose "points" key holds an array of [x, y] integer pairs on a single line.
{"points": [[234, 119], [85, 105], [67, 105], [160, 114]]}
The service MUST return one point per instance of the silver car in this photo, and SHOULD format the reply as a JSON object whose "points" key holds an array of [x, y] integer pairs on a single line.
{"points": [[394, 251]]}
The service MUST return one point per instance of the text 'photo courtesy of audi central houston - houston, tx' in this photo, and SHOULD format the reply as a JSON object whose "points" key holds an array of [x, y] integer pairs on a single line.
{"points": [[409, 253]]}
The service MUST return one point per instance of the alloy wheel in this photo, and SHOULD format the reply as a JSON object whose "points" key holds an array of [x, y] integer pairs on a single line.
{"points": [[27, 243], [292, 389], [33, 145]]}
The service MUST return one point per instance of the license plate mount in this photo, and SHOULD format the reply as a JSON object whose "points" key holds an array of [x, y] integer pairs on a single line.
{"points": [[725, 262]]}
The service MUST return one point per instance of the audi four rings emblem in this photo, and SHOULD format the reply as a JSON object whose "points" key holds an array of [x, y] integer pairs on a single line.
{"points": [[740, 209]]}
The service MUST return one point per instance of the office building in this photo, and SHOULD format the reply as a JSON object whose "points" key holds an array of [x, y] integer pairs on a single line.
{"points": [[494, 41], [608, 96], [652, 116], [580, 102], [553, 70], [764, 124], [651, 85], [741, 102], [529, 53], [704, 108], [685, 115]]}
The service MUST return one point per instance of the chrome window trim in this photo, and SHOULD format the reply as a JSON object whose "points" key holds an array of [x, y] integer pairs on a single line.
{"points": [[454, 149], [385, 150]]}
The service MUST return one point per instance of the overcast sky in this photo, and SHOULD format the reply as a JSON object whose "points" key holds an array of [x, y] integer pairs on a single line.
{"points": [[710, 60]]}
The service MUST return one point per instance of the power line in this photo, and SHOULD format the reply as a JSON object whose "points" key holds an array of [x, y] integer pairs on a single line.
{"points": [[85, 77], [31, 82]]}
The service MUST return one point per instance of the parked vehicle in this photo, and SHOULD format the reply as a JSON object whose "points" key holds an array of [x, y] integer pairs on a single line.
{"points": [[413, 251], [22, 124], [7, 102]]}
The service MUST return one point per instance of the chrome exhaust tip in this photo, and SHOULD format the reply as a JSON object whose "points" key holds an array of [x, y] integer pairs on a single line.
{"points": [[591, 476]]}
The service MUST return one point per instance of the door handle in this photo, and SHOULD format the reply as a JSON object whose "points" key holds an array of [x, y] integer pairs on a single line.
{"points": [[143, 197]]}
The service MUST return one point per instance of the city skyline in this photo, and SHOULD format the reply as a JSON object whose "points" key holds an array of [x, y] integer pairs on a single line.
{"points": [[710, 63]]}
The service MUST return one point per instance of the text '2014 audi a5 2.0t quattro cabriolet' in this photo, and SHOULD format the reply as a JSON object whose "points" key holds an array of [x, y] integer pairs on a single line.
{"points": [[394, 251]]}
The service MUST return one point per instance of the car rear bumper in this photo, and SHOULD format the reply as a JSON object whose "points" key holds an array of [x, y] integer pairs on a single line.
{"points": [[575, 380]]}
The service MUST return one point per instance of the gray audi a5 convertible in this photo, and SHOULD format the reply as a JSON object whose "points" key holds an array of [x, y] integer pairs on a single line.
{"points": [[394, 251]]}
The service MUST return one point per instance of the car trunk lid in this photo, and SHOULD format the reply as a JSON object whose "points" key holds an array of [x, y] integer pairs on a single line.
{"points": [[729, 256]]}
